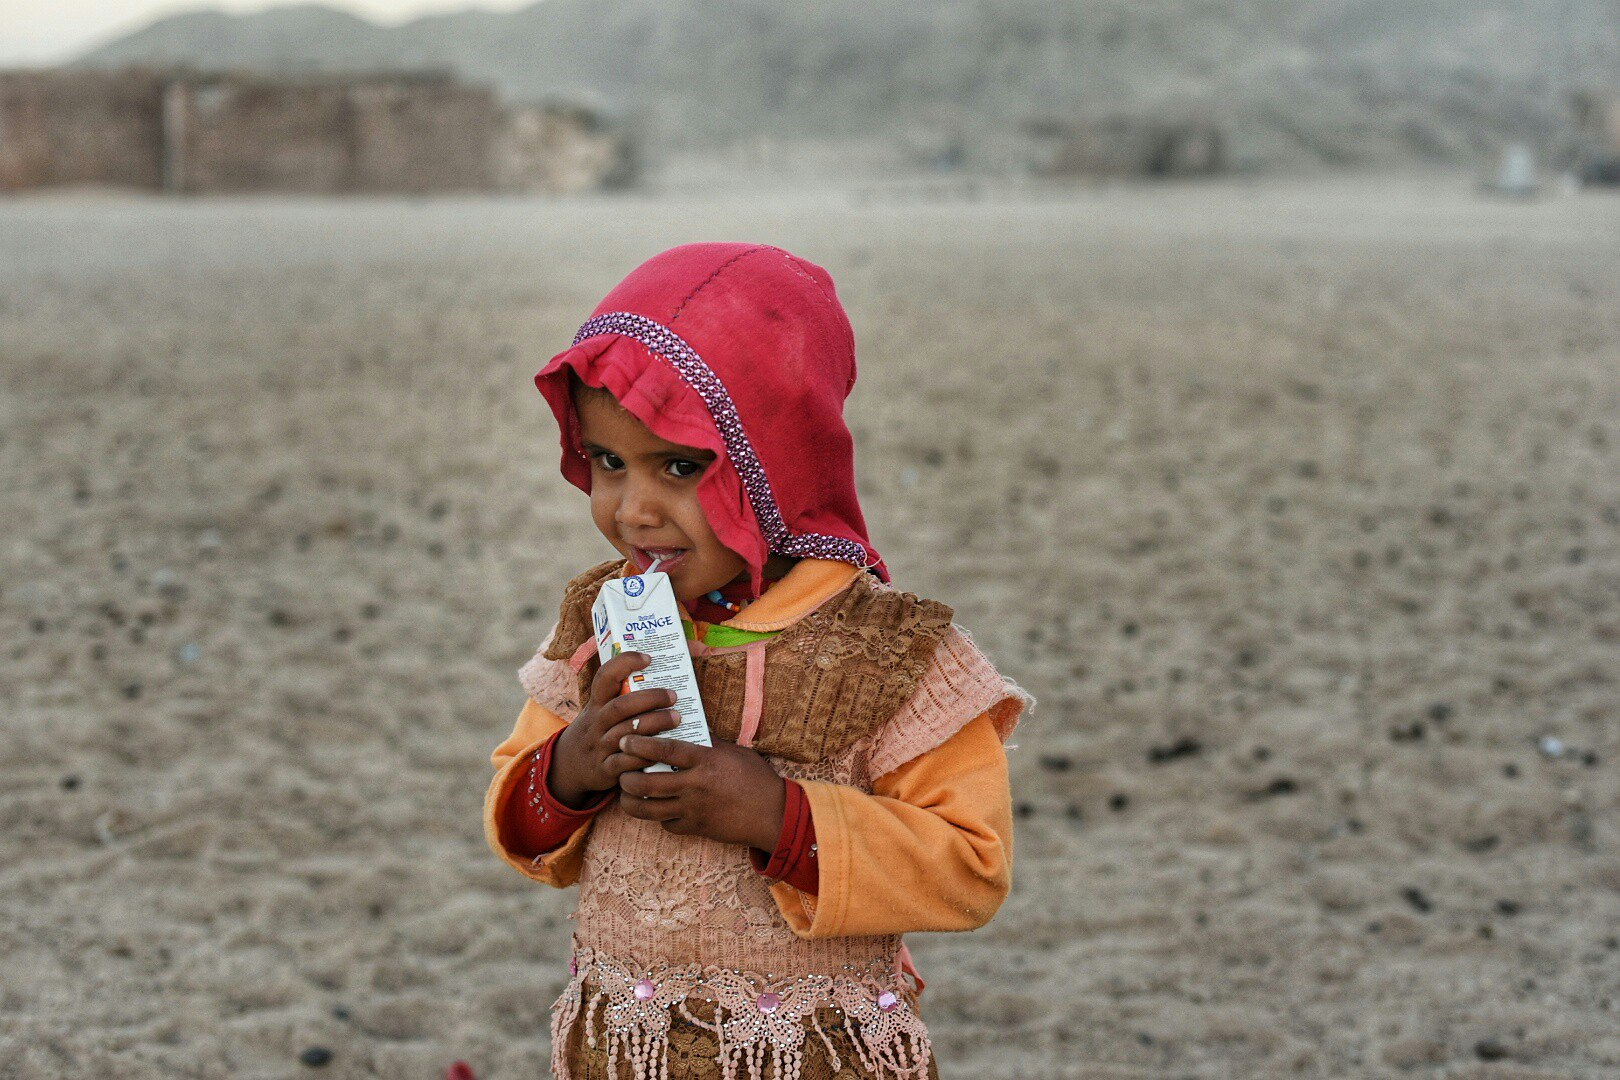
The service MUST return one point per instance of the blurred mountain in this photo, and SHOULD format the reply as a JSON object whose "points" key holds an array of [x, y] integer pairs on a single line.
{"points": [[1342, 82]]}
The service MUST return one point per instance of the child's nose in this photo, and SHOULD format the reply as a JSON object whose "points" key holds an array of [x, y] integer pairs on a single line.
{"points": [[639, 505]]}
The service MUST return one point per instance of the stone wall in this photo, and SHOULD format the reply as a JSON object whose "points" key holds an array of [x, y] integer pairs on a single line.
{"points": [[200, 133], [84, 128], [407, 135]]}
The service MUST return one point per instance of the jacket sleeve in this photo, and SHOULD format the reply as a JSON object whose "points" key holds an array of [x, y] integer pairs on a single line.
{"points": [[929, 849], [560, 867]]}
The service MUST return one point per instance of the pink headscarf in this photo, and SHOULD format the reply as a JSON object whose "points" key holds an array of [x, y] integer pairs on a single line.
{"points": [[742, 349]]}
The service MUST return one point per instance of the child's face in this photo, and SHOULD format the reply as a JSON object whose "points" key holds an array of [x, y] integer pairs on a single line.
{"points": [[644, 498]]}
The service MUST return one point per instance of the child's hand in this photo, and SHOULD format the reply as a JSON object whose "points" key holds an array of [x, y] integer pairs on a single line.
{"points": [[587, 759], [726, 792]]}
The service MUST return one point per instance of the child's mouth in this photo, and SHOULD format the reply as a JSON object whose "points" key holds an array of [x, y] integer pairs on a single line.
{"points": [[644, 557]]}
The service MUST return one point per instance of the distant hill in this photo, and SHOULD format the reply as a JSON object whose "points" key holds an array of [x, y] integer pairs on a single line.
{"points": [[1341, 82]]}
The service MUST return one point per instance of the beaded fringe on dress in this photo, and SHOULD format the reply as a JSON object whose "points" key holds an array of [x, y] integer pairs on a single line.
{"points": [[696, 1023]]}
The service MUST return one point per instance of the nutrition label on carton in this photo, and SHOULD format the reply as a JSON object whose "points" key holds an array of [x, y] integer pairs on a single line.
{"points": [[639, 614]]}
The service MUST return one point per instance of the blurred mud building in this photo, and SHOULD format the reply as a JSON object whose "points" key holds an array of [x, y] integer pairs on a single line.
{"points": [[1126, 146], [195, 132]]}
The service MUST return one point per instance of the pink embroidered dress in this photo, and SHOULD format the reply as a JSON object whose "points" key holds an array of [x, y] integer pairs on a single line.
{"points": [[687, 962]]}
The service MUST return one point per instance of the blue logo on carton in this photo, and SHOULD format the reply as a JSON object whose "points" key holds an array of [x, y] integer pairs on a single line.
{"points": [[633, 586]]}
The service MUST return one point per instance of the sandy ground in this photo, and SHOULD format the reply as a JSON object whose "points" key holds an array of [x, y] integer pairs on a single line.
{"points": [[1296, 505]]}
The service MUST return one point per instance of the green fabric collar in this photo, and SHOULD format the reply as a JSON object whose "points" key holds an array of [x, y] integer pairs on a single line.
{"points": [[724, 637]]}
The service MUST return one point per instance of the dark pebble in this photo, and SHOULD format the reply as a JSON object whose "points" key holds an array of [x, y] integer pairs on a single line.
{"points": [[1118, 801], [342, 633], [1490, 1050], [1354, 824], [1417, 899], [1129, 629], [1246, 658], [1374, 926], [1180, 748], [1484, 843], [132, 691], [1589, 758], [280, 618], [435, 550], [1577, 555], [1262, 753], [529, 614], [1510, 770], [1144, 1038], [439, 509], [1024, 810], [1508, 907], [1072, 812], [1280, 786], [1412, 732], [1440, 712], [316, 1056], [70, 782], [370, 611], [1056, 763], [40, 626], [339, 1012]]}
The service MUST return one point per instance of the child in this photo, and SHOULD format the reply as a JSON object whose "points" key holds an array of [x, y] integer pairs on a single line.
{"points": [[743, 914]]}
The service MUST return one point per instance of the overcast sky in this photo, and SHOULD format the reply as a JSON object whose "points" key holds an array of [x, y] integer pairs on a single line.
{"points": [[45, 31]]}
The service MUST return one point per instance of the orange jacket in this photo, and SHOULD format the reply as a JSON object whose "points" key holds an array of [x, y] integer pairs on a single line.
{"points": [[929, 849]]}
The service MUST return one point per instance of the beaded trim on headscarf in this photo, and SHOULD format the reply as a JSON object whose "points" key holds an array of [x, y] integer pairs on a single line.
{"points": [[667, 345]]}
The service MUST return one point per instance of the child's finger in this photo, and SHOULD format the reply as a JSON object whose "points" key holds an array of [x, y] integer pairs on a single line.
{"points": [[682, 755], [658, 785], [624, 707], [609, 680], [649, 809], [621, 764], [647, 723]]}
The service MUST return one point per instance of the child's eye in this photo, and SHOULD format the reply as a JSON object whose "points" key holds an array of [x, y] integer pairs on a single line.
{"points": [[680, 468]]}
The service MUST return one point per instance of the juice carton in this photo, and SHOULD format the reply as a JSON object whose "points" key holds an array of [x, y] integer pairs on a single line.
{"points": [[638, 614]]}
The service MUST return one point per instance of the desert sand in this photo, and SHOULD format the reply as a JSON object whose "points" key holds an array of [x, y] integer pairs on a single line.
{"points": [[1296, 505]]}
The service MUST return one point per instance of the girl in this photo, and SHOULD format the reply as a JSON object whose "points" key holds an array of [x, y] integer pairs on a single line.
{"points": [[743, 914]]}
